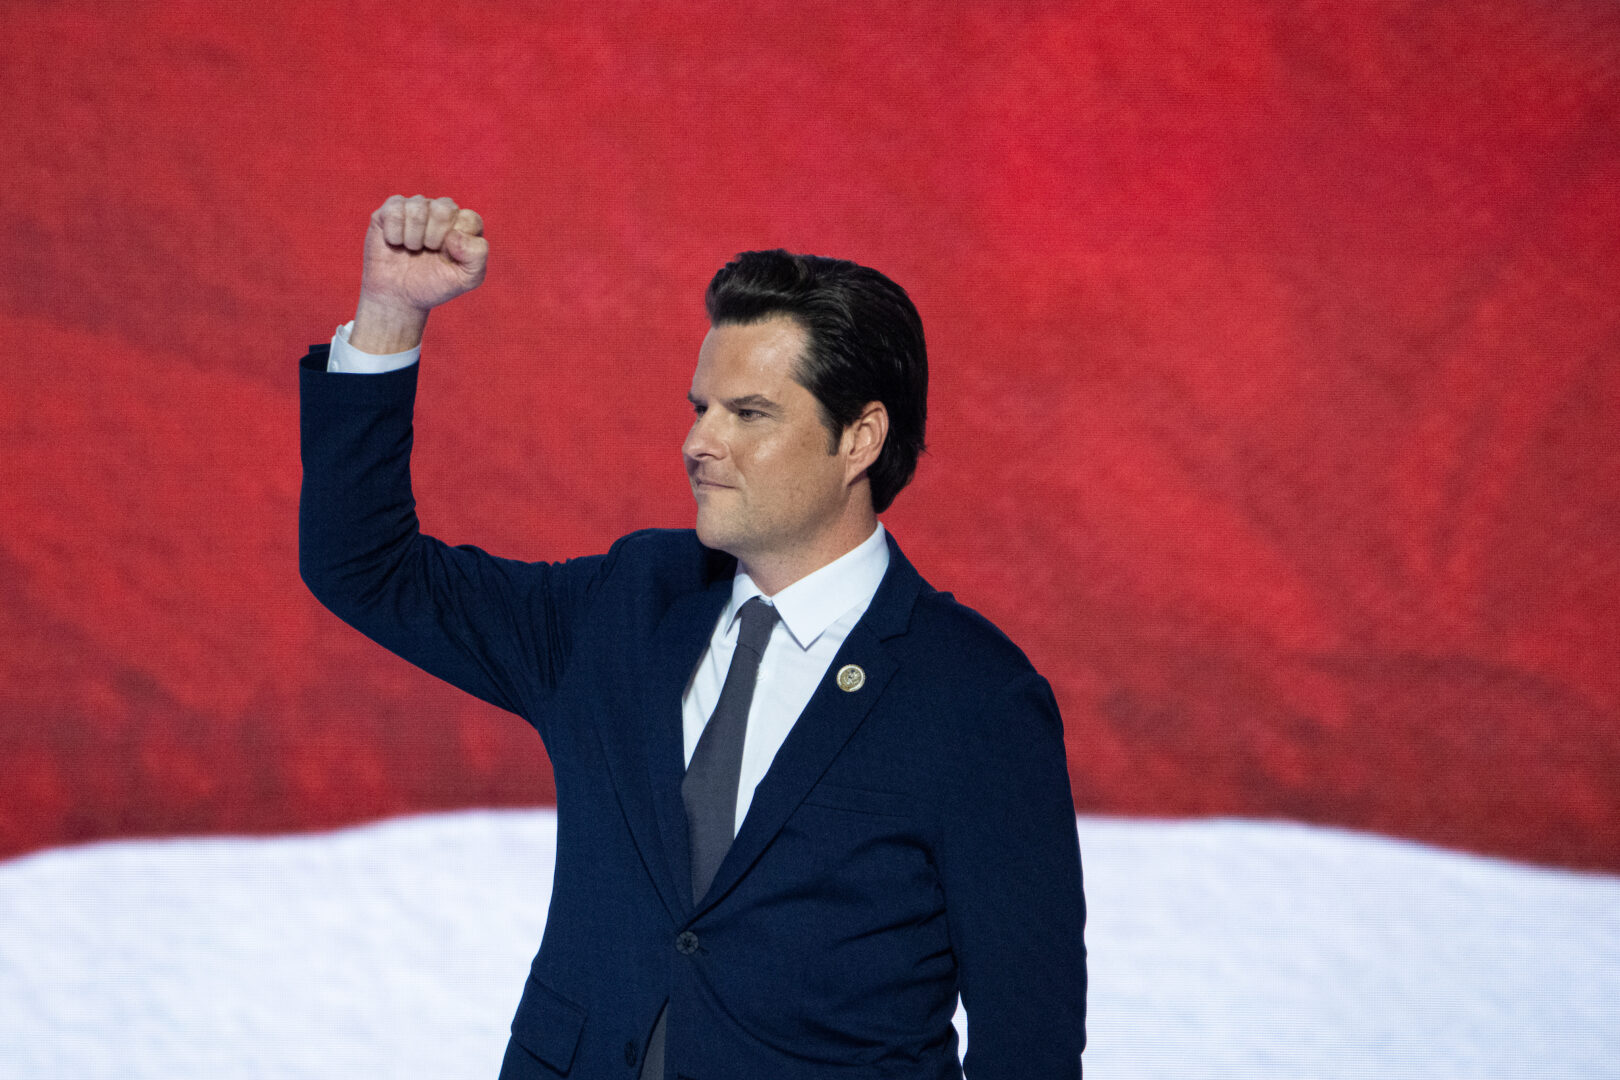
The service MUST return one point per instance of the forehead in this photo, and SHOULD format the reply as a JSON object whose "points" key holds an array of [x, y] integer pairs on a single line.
{"points": [[749, 358]]}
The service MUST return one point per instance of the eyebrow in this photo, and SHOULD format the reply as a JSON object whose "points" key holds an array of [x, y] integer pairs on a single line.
{"points": [[748, 401]]}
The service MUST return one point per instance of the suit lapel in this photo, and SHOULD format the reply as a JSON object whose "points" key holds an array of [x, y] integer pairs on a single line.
{"points": [[646, 754], [830, 718], [678, 645]]}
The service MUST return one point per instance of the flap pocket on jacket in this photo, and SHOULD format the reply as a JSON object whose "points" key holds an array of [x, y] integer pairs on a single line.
{"points": [[548, 1025], [860, 800]]}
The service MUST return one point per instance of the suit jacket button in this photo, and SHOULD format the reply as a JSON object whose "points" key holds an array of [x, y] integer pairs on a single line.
{"points": [[686, 943], [629, 1053]]}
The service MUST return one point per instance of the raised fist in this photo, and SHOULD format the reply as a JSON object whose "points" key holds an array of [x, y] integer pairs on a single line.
{"points": [[419, 253]]}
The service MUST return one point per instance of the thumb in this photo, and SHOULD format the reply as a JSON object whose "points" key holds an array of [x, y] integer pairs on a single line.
{"points": [[466, 250]]}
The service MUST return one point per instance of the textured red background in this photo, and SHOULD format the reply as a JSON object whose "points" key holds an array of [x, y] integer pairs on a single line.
{"points": [[1275, 388]]}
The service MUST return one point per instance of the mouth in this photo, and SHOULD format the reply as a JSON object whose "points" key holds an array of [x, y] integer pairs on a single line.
{"points": [[700, 484]]}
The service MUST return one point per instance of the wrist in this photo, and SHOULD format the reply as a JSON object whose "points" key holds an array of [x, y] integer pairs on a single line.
{"points": [[383, 328]]}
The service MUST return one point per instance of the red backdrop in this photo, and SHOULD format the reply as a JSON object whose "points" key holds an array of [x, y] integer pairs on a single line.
{"points": [[1274, 402]]}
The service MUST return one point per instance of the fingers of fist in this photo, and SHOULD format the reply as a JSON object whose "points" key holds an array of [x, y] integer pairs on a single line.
{"points": [[419, 223]]}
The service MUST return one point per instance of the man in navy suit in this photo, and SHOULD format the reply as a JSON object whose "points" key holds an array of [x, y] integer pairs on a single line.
{"points": [[803, 799]]}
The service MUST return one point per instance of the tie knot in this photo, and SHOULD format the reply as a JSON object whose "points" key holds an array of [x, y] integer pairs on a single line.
{"points": [[758, 619]]}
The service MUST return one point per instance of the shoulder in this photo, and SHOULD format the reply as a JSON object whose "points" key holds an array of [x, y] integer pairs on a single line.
{"points": [[961, 659], [967, 692], [938, 639], [669, 549], [670, 559]]}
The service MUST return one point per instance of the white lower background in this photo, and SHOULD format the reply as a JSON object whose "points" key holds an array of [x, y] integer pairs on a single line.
{"points": [[1218, 949]]}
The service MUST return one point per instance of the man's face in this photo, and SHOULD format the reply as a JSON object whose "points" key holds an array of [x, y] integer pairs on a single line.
{"points": [[767, 489]]}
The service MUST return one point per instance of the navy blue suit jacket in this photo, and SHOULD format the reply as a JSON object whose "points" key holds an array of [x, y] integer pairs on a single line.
{"points": [[913, 838]]}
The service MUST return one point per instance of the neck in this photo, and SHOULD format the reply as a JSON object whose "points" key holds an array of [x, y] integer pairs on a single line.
{"points": [[775, 571]]}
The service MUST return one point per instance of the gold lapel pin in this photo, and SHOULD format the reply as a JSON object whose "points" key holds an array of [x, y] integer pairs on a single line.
{"points": [[851, 678]]}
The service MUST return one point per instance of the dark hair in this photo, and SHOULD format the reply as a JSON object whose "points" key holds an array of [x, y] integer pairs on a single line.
{"points": [[865, 344]]}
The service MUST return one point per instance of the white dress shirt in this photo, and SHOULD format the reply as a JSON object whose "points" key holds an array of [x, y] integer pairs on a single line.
{"points": [[817, 613], [346, 359]]}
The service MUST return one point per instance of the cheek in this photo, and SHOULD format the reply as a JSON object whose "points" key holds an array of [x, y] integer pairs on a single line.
{"points": [[790, 471], [809, 476]]}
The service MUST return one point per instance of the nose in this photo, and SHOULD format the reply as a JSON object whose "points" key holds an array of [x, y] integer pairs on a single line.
{"points": [[702, 441]]}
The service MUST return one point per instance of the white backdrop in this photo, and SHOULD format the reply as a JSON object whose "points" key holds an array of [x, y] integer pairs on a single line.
{"points": [[1219, 948]]}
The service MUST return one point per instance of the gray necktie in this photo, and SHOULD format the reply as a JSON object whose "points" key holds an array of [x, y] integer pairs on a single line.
{"points": [[710, 786]]}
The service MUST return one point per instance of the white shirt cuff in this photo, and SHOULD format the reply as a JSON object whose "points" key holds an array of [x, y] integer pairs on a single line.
{"points": [[345, 358]]}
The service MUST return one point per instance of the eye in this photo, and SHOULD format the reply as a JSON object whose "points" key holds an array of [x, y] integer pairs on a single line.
{"points": [[699, 410], [749, 414]]}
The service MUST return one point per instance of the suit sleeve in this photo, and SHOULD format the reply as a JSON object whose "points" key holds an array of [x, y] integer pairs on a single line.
{"points": [[497, 628], [1010, 867]]}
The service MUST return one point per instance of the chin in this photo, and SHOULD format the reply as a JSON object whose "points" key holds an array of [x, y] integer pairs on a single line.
{"points": [[723, 536], [710, 534]]}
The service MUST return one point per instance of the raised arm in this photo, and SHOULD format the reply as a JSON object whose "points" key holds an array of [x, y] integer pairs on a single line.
{"points": [[497, 628]]}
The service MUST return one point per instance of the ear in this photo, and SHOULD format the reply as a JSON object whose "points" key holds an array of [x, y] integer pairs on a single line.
{"points": [[863, 440]]}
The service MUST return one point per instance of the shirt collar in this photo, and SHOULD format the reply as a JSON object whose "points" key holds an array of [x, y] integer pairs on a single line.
{"points": [[817, 600]]}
